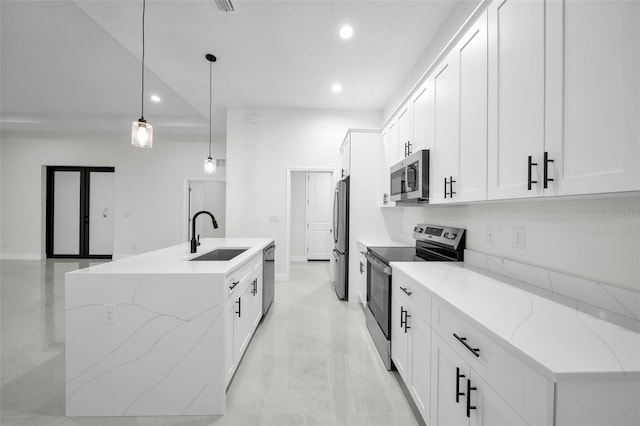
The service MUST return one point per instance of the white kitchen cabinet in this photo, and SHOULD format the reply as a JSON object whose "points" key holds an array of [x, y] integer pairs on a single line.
{"points": [[411, 338], [460, 148], [243, 310], [444, 157], [362, 279], [593, 97], [345, 152], [391, 143], [422, 117], [386, 161], [461, 396], [405, 137], [516, 98]]}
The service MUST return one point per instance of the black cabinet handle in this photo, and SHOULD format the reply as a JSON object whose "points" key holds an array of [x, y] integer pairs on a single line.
{"points": [[463, 340], [407, 292], [342, 173], [239, 302], [546, 177], [469, 406], [458, 377], [451, 182], [361, 268], [254, 284], [406, 321], [233, 285], [408, 148], [445, 188], [402, 317], [529, 181]]}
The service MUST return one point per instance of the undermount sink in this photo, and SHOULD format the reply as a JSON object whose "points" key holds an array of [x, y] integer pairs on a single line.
{"points": [[220, 254]]}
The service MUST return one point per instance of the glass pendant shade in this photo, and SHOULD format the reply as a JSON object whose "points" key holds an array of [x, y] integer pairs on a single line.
{"points": [[209, 166], [141, 134]]}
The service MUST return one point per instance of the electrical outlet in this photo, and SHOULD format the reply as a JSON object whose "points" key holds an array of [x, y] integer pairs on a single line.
{"points": [[109, 311], [518, 236], [490, 235]]}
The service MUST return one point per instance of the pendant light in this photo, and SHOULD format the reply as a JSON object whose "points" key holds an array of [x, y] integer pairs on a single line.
{"points": [[210, 163], [141, 131]]}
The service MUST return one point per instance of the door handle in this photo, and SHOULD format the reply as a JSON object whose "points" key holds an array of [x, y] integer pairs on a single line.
{"points": [[458, 377], [546, 178], [469, 406], [529, 181]]}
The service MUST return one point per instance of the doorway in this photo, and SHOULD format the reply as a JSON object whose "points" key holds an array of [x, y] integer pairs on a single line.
{"points": [[311, 233], [80, 212], [209, 195]]}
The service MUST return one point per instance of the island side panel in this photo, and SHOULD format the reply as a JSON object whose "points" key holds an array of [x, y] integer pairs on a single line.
{"points": [[160, 354]]}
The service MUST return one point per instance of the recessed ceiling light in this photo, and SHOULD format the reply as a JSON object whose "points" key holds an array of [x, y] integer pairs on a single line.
{"points": [[336, 88], [155, 98], [346, 32]]}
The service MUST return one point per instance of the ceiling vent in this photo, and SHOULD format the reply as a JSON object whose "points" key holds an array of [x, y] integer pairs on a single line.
{"points": [[225, 6]]}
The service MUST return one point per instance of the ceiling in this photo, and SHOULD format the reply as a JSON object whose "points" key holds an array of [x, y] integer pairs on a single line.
{"points": [[75, 66]]}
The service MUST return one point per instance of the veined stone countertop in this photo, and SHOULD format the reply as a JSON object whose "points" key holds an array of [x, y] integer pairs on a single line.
{"points": [[175, 259], [559, 341]]}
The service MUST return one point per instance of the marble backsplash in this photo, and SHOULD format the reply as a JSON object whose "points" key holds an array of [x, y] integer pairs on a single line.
{"points": [[614, 304]]}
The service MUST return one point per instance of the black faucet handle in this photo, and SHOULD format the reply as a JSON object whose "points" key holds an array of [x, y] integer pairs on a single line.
{"points": [[198, 243]]}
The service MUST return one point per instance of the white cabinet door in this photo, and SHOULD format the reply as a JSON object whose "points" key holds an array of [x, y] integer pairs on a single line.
{"points": [[489, 408], [449, 373], [593, 107], [471, 181], [420, 367], [516, 97], [422, 116], [229, 340], [346, 157], [362, 279], [399, 334], [405, 139], [385, 165], [444, 158], [391, 144]]}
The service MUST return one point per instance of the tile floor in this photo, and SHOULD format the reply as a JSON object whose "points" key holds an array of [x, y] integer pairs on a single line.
{"points": [[311, 361]]}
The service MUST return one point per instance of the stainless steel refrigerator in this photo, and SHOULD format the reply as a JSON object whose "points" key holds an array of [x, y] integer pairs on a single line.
{"points": [[341, 239]]}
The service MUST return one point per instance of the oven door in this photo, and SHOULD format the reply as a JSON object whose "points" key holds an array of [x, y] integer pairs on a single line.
{"points": [[379, 293]]}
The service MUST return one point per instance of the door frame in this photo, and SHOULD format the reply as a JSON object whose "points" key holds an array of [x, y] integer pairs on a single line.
{"points": [[85, 181], [291, 170]]}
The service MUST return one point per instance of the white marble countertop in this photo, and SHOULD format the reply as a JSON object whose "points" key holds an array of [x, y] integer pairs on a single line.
{"points": [[564, 343], [176, 259]]}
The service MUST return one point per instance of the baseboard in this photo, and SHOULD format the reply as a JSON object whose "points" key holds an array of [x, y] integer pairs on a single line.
{"points": [[298, 258], [22, 256]]}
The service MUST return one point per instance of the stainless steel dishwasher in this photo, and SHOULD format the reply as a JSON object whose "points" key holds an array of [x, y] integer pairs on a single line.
{"points": [[268, 277]]}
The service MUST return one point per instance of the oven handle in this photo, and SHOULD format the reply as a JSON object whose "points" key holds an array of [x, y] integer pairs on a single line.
{"points": [[377, 264]]}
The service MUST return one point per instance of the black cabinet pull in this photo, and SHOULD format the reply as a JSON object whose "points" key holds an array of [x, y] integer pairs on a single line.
{"points": [[529, 181], [233, 285], [546, 177], [254, 284], [407, 292], [239, 302], [451, 182], [342, 172], [406, 321], [408, 148], [361, 268], [469, 406], [445, 188], [458, 377], [463, 340], [402, 317]]}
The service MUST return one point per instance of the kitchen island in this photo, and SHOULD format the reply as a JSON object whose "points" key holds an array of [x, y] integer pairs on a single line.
{"points": [[158, 333]]}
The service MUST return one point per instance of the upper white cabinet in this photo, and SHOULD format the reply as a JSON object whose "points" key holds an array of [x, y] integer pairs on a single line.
{"points": [[516, 98], [422, 116], [345, 151], [460, 146], [405, 137], [593, 96]]}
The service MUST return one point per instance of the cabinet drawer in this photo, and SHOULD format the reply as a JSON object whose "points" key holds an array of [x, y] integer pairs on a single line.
{"points": [[236, 278], [525, 390], [415, 292]]}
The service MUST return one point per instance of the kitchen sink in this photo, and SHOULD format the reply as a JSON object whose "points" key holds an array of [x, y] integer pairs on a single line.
{"points": [[220, 254]]}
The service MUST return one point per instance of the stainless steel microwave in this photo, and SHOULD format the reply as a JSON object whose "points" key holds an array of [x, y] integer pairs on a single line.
{"points": [[410, 178]]}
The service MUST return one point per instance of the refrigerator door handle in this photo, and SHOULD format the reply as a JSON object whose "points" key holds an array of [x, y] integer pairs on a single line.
{"points": [[335, 214]]}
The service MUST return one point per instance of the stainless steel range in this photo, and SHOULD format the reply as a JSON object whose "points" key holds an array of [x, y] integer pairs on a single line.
{"points": [[433, 244]]}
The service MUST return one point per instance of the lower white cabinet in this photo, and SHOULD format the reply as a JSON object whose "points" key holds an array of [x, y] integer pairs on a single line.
{"points": [[411, 338], [243, 311], [361, 280], [460, 395]]}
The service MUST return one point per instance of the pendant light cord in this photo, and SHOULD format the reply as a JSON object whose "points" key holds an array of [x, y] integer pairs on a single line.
{"points": [[142, 97], [210, 96]]}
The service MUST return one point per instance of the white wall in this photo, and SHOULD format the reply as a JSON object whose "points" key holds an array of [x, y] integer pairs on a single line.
{"points": [[150, 186], [298, 216], [261, 145]]}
